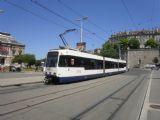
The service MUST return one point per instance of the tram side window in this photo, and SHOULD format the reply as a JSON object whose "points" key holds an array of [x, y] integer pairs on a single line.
{"points": [[69, 61], [110, 65], [122, 65], [63, 61], [115, 65], [99, 64], [81, 62], [75, 61], [86, 64], [106, 65], [93, 64]]}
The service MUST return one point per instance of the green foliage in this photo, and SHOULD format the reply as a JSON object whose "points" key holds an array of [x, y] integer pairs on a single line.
{"points": [[155, 60], [18, 59], [26, 58], [29, 59], [151, 43], [110, 50], [133, 43], [124, 43], [38, 63]]}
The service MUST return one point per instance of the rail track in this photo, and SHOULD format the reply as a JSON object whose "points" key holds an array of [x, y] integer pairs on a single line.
{"points": [[44, 98], [85, 112]]}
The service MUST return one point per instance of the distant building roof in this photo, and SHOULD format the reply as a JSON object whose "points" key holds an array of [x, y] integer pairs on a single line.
{"points": [[4, 33], [137, 33], [141, 35], [6, 38]]}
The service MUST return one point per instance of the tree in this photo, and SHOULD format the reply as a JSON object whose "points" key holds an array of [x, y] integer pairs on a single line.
{"points": [[38, 63], [29, 59], [133, 43], [124, 43], [151, 43], [155, 60], [109, 50], [18, 59]]}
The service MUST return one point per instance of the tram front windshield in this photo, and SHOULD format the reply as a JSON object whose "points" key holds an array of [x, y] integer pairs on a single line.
{"points": [[52, 58]]}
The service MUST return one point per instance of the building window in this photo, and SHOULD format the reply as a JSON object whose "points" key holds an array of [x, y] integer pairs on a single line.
{"points": [[20, 51], [2, 61], [13, 51]]}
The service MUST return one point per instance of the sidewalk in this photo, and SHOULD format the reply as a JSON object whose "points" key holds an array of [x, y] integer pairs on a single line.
{"points": [[154, 98], [151, 108], [19, 79]]}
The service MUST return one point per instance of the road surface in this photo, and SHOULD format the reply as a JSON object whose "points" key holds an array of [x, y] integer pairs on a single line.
{"points": [[118, 97]]}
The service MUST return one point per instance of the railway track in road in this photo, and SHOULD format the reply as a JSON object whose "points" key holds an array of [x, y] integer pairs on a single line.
{"points": [[30, 102], [55, 92], [84, 113]]}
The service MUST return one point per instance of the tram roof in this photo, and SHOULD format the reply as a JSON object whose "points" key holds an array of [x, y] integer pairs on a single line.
{"points": [[84, 54]]}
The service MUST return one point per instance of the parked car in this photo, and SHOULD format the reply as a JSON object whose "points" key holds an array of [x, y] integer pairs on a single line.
{"points": [[150, 66], [13, 68]]}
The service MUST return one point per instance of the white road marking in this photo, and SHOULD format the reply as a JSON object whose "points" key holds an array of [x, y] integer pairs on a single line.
{"points": [[146, 101]]}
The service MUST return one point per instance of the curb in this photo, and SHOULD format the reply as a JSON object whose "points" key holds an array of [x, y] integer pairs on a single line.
{"points": [[19, 84], [144, 111]]}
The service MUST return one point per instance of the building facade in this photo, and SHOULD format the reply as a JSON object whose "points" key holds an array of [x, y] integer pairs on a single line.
{"points": [[141, 57], [141, 35], [138, 57], [9, 47]]}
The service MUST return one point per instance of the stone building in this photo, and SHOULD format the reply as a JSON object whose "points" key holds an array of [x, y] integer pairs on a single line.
{"points": [[9, 47], [138, 57], [141, 57], [141, 35]]}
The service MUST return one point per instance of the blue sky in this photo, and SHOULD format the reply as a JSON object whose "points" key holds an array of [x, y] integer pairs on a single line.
{"points": [[110, 15]]}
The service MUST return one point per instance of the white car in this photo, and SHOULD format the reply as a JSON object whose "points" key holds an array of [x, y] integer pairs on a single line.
{"points": [[151, 66]]}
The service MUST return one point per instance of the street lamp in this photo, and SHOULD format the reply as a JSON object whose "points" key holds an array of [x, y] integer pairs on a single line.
{"points": [[81, 20]]}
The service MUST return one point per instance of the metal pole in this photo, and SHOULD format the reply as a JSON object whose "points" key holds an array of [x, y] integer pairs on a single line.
{"points": [[127, 61], [119, 51], [81, 30]]}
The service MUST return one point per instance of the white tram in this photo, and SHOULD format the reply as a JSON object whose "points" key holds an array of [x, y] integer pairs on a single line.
{"points": [[68, 65]]}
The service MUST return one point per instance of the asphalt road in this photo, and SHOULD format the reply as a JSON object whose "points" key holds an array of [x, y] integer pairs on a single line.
{"points": [[118, 97], [19, 74], [20, 78]]}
